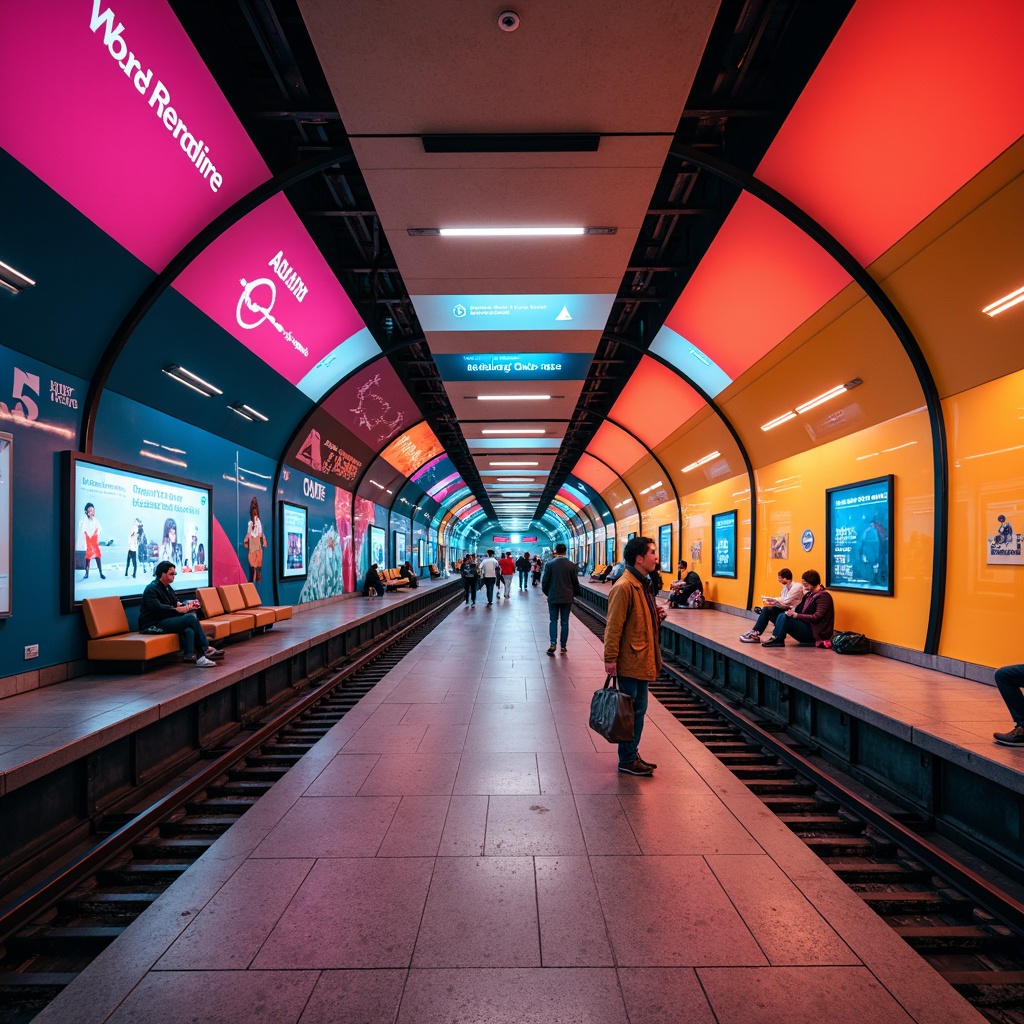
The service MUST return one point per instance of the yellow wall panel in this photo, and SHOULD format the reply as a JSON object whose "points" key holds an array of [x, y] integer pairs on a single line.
{"points": [[791, 496], [985, 425], [698, 508]]}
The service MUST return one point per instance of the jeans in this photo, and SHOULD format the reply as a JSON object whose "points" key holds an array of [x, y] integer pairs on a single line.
{"points": [[523, 574], [507, 580], [1010, 679], [556, 612], [637, 689], [469, 588], [767, 615], [187, 626], [489, 582], [786, 625]]}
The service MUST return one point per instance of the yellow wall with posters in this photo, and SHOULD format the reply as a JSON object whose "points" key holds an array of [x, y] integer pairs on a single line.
{"points": [[698, 508], [982, 622], [667, 513], [791, 499]]}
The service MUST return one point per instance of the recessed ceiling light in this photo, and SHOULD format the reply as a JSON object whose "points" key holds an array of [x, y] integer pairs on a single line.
{"points": [[13, 280], [191, 380], [522, 430]]}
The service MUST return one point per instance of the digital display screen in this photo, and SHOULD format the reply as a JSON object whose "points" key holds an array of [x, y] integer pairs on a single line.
{"points": [[665, 547], [123, 521], [513, 312], [294, 534], [515, 366], [858, 533], [723, 538]]}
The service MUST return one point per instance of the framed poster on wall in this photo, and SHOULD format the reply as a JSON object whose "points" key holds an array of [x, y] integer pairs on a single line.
{"points": [[376, 547], [609, 550], [665, 547], [294, 534], [399, 550], [6, 521], [723, 539], [421, 555], [858, 536]]}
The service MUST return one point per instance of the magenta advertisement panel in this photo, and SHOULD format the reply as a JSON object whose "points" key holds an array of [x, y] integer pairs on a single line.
{"points": [[266, 283], [139, 137], [373, 404]]}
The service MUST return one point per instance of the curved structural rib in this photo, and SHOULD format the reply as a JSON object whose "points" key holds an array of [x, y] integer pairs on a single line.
{"points": [[874, 291]]}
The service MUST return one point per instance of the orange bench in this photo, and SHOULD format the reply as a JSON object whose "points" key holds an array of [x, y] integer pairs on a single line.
{"points": [[217, 618], [110, 638], [234, 604], [252, 602], [393, 579]]}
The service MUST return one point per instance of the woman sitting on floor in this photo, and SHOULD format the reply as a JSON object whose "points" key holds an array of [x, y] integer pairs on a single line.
{"points": [[811, 621]]}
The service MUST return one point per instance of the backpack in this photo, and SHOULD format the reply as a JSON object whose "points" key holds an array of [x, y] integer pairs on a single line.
{"points": [[850, 643], [695, 600]]}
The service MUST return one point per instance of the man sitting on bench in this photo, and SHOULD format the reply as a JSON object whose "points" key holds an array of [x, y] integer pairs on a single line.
{"points": [[162, 612]]}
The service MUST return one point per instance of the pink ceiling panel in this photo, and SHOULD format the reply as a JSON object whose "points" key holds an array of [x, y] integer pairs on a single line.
{"points": [[373, 404], [760, 279], [655, 402], [910, 102]]}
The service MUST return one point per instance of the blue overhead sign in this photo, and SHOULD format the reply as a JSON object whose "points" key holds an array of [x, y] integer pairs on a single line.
{"points": [[515, 366], [513, 312]]}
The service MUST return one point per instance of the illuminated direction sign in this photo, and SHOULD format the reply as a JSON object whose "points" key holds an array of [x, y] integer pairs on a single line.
{"points": [[515, 366], [513, 312]]}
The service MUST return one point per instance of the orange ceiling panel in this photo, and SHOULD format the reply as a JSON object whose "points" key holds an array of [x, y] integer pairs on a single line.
{"points": [[911, 101], [655, 402], [415, 447], [760, 279], [613, 445], [593, 473]]}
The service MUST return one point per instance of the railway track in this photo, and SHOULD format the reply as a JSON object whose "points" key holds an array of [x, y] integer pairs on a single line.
{"points": [[965, 926], [50, 934]]}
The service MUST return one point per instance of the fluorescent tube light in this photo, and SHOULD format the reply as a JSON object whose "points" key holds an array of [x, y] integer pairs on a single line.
{"points": [[821, 399], [13, 280], [193, 381], [511, 398], [513, 463], [523, 430], [784, 418], [700, 462], [647, 490], [241, 412], [1001, 305], [252, 412], [498, 232]]}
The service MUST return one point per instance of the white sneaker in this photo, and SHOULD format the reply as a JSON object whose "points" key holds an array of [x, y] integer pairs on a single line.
{"points": [[750, 638], [205, 662]]}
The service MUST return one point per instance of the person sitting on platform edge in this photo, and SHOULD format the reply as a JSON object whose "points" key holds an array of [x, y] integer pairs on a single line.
{"points": [[561, 585], [374, 584], [811, 621], [688, 583], [162, 612], [1010, 680], [792, 592], [632, 650], [408, 573]]}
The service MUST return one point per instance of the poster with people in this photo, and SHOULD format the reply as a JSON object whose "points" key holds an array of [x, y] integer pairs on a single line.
{"points": [[125, 521], [1004, 544]]}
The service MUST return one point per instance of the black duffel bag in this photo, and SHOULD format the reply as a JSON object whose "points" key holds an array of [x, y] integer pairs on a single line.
{"points": [[611, 712], [850, 643]]}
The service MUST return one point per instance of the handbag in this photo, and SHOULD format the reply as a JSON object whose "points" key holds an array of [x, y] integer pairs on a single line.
{"points": [[850, 643], [611, 712]]}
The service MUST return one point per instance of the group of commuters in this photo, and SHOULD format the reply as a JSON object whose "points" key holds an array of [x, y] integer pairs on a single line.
{"points": [[492, 572]]}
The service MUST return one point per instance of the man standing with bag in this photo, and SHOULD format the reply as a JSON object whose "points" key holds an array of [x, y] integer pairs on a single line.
{"points": [[631, 645]]}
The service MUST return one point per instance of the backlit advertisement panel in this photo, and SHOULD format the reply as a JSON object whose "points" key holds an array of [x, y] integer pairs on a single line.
{"points": [[415, 447], [514, 366], [139, 137], [858, 536], [373, 404], [266, 283], [513, 312]]}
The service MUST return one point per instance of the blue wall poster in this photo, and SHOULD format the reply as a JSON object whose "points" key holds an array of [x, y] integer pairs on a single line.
{"points": [[723, 537], [858, 536]]}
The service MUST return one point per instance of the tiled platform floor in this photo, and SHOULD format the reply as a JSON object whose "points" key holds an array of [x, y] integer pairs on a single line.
{"points": [[460, 848]]}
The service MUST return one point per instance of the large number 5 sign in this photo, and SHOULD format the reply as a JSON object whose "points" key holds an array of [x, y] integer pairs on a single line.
{"points": [[23, 381]]}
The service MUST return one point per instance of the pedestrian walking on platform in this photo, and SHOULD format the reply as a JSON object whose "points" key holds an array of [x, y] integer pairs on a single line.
{"points": [[470, 574], [490, 572], [561, 584], [508, 570]]}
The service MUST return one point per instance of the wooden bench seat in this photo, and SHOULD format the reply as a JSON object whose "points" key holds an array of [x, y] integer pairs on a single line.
{"points": [[393, 579], [252, 602], [110, 637]]}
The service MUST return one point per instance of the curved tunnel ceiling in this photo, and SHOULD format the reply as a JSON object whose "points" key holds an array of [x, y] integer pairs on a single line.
{"points": [[439, 338]]}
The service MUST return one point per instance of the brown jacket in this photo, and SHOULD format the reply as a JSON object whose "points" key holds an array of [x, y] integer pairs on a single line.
{"points": [[630, 637]]}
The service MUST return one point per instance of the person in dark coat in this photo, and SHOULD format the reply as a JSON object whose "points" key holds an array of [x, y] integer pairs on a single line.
{"points": [[560, 583]]}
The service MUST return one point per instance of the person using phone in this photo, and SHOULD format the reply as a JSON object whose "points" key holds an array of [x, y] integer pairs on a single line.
{"points": [[792, 594], [162, 612]]}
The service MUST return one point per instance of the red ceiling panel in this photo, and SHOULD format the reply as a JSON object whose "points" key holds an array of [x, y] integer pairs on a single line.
{"points": [[910, 102], [614, 446], [594, 474], [761, 278], [655, 402]]}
